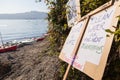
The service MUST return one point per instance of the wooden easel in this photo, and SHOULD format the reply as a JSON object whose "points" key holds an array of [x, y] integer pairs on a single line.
{"points": [[96, 11]]}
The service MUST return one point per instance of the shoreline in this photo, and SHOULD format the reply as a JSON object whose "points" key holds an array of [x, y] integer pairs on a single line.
{"points": [[24, 38], [13, 45]]}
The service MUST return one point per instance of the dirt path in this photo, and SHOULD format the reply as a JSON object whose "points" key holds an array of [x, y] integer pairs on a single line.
{"points": [[30, 62]]}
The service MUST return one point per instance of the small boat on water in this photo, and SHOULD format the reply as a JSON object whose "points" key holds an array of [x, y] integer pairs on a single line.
{"points": [[8, 48]]}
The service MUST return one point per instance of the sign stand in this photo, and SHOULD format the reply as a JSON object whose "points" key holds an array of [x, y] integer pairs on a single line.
{"points": [[81, 36], [104, 56], [66, 73], [87, 16]]}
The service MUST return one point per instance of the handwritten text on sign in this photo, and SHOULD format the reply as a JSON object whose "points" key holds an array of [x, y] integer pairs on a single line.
{"points": [[94, 39], [71, 42], [71, 12]]}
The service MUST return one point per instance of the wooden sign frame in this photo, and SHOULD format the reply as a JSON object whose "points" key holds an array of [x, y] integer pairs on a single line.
{"points": [[93, 70], [99, 69]]}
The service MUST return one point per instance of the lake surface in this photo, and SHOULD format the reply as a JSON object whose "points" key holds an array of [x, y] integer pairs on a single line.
{"points": [[22, 29]]}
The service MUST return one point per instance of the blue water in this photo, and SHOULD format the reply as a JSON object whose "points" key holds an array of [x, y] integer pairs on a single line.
{"points": [[21, 29]]}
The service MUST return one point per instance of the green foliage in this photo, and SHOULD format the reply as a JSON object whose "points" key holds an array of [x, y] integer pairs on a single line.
{"points": [[116, 34], [58, 29], [89, 5], [116, 38]]}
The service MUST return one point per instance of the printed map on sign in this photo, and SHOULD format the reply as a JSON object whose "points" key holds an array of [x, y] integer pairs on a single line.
{"points": [[94, 39], [71, 42]]}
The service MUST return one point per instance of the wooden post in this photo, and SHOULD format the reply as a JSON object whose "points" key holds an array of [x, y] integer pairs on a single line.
{"points": [[66, 73]]}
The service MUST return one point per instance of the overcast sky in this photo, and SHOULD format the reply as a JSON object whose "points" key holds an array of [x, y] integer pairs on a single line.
{"points": [[19, 6]]}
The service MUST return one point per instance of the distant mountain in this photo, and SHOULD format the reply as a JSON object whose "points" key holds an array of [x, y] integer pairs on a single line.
{"points": [[26, 15]]}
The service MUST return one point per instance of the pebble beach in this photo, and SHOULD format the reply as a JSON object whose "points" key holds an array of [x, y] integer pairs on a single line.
{"points": [[30, 62]]}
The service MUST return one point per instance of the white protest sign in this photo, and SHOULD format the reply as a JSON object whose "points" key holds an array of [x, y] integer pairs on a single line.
{"points": [[93, 51], [94, 39], [73, 12], [72, 42]]}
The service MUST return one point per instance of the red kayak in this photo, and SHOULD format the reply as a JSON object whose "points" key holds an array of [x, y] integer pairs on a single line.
{"points": [[40, 39], [10, 48]]}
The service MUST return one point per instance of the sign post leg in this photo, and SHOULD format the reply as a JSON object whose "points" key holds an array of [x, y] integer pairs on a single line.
{"points": [[67, 71]]}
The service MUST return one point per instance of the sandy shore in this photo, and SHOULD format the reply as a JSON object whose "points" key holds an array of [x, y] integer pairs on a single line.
{"points": [[31, 62]]}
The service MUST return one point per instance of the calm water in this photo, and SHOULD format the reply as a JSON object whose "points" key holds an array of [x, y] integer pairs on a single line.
{"points": [[20, 29]]}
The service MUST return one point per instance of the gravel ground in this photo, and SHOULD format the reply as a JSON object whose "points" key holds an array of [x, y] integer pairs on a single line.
{"points": [[31, 62]]}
